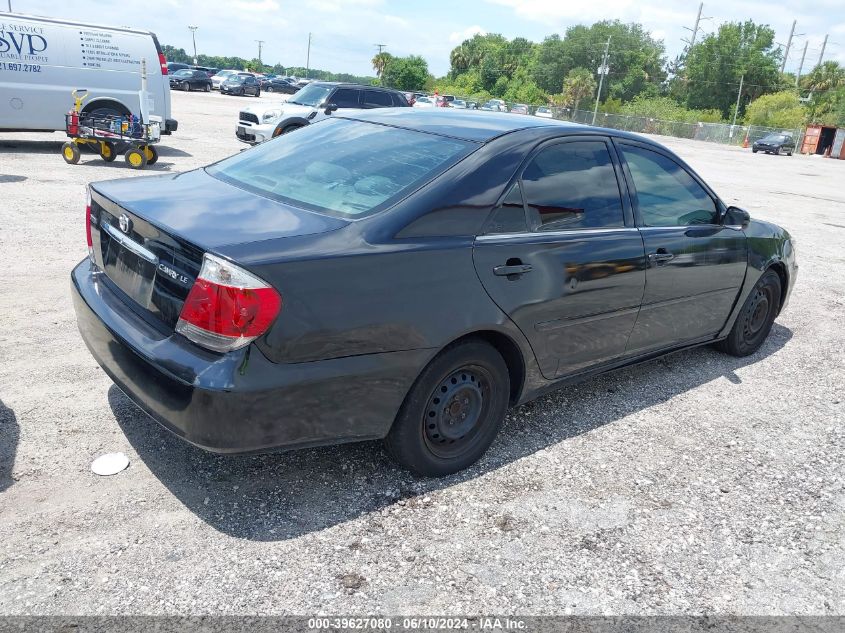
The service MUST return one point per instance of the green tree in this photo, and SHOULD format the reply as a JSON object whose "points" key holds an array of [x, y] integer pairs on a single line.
{"points": [[828, 76], [578, 85], [406, 73], [380, 61], [712, 68], [780, 109], [636, 60]]}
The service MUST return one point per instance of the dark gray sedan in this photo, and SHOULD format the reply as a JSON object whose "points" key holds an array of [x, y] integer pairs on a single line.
{"points": [[409, 275], [775, 144]]}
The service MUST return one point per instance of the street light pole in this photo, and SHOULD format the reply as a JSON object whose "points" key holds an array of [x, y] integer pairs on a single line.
{"points": [[308, 57], [193, 30], [260, 44]]}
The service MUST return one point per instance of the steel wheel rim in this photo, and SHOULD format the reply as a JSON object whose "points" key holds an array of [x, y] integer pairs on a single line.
{"points": [[758, 312], [456, 410]]}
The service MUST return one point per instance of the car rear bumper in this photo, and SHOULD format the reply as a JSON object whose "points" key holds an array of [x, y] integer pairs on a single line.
{"points": [[238, 402]]}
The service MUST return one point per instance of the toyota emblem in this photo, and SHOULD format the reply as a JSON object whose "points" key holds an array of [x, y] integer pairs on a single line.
{"points": [[125, 223]]}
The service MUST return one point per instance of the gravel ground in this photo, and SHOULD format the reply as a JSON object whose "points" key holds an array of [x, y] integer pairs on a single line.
{"points": [[697, 483]]}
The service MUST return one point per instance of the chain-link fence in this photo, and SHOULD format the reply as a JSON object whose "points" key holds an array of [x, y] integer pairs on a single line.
{"points": [[712, 132]]}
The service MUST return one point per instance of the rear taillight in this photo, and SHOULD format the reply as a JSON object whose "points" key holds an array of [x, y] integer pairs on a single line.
{"points": [[88, 225], [227, 307], [163, 61]]}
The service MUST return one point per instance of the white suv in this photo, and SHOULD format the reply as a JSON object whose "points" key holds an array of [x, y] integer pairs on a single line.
{"points": [[261, 122]]}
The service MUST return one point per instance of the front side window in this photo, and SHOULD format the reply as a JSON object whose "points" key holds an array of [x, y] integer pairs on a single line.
{"points": [[377, 99], [346, 98], [573, 186], [342, 167], [667, 195]]}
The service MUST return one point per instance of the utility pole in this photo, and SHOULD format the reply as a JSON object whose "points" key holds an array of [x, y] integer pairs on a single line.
{"points": [[801, 65], [738, 95], [380, 47], [821, 55], [193, 30], [260, 44], [602, 73], [694, 29], [308, 57], [788, 46], [10, 6]]}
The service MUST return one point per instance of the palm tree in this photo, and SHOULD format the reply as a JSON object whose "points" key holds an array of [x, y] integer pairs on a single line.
{"points": [[579, 83], [828, 76], [380, 62], [459, 59]]}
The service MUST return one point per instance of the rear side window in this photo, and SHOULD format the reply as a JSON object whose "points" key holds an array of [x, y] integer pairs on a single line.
{"points": [[377, 99], [341, 167], [573, 186], [346, 98], [399, 100], [667, 195]]}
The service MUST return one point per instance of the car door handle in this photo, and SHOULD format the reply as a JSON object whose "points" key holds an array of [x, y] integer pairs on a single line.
{"points": [[660, 257], [515, 269]]}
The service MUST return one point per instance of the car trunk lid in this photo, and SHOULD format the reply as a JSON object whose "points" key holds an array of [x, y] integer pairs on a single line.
{"points": [[149, 241]]}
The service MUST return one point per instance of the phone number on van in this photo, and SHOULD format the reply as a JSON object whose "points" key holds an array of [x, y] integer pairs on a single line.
{"points": [[26, 68]]}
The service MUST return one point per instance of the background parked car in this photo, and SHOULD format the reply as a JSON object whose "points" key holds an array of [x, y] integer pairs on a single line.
{"points": [[172, 67], [424, 102], [279, 84], [543, 112], [242, 84], [458, 103], [220, 77], [775, 144], [188, 79], [210, 72], [312, 103], [519, 108], [495, 105]]}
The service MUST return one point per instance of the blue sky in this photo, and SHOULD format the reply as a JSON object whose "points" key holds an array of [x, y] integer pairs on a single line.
{"points": [[345, 31]]}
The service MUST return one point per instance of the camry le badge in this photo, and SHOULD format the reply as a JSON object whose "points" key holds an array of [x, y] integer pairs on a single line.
{"points": [[125, 222]]}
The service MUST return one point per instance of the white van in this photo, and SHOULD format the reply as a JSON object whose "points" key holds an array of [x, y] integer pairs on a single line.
{"points": [[43, 59]]}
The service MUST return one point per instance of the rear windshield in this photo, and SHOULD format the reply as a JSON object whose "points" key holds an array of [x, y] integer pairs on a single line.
{"points": [[340, 167]]}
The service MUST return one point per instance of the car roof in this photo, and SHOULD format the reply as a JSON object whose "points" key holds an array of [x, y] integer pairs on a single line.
{"points": [[349, 84], [466, 124], [477, 126]]}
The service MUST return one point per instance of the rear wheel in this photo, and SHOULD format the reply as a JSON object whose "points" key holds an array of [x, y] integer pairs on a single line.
{"points": [[755, 320], [453, 412], [70, 152], [107, 151], [151, 154], [135, 158]]}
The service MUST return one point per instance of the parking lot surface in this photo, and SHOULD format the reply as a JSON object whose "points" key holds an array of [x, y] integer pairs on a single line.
{"points": [[697, 483]]}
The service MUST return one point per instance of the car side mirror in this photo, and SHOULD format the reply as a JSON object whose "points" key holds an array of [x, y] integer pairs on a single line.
{"points": [[330, 107], [735, 216]]}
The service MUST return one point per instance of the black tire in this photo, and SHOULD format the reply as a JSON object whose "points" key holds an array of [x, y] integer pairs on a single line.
{"points": [[754, 321], [777, 151], [109, 152], [268, 89], [70, 152], [151, 154], [186, 87], [453, 412], [753, 151], [135, 158], [789, 153]]}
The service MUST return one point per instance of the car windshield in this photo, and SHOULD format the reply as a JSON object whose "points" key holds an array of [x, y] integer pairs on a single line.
{"points": [[235, 79], [340, 167], [225, 73], [183, 73], [423, 100], [311, 95], [775, 138]]}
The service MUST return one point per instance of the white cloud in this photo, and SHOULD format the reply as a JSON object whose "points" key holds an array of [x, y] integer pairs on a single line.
{"points": [[459, 36]]}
